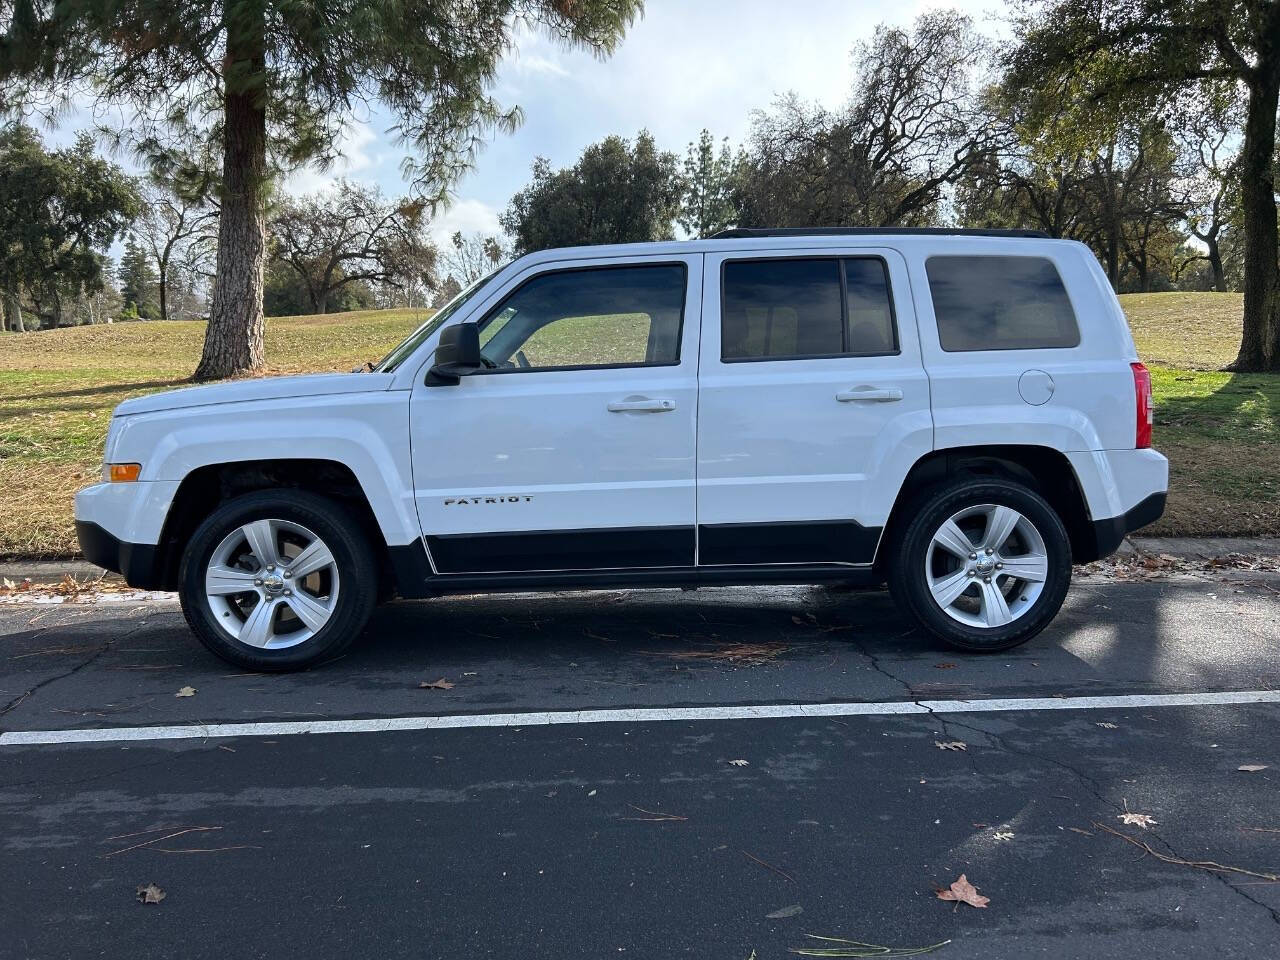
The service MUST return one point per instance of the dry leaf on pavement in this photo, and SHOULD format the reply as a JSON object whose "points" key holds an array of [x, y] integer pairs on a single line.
{"points": [[441, 684], [951, 745], [186, 692], [1002, 835], [962, 891], [1251, 767], [1105, 725], [1142, 820], [150, 893], [738, 763]]}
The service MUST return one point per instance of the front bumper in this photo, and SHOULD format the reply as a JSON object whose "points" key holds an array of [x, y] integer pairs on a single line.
{"points": [[119, 526], [138, 563]]}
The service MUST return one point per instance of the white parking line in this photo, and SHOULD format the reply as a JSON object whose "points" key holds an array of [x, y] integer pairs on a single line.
{"points": [[630, 715]]}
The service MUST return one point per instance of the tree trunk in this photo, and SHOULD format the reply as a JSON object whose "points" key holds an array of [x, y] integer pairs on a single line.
{"points": [[13, 311], [1215, 265], [163, 269], [233, 340], [1260, 343]]}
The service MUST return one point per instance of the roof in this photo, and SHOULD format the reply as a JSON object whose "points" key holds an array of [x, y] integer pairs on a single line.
{"points": [[740, 233]]}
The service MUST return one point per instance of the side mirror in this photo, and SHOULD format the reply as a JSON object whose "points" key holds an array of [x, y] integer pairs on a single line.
{"points": [[457, 355]]}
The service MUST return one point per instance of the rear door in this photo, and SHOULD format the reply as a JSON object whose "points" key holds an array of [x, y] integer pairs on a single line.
{"points": [[575, 449], [813, 405]]}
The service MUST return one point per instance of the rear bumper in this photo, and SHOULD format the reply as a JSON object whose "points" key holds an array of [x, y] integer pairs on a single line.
{"points": [[1110, 533], [138, 563]]}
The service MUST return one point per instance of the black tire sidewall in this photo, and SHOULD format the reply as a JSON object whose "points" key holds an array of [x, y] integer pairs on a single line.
{"points": [[329, 520], [907, 574]]}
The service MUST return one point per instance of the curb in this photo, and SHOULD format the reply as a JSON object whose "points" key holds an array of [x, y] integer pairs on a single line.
{"points": [[1192, 548]]}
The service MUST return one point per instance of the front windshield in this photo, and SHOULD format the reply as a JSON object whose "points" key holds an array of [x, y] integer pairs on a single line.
{"points": [[411, 343]]}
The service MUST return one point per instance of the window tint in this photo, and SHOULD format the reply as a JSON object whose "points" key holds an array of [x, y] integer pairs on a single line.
{"points": [[614, 316], [795, 308], [870, 316], [1000, 303]]}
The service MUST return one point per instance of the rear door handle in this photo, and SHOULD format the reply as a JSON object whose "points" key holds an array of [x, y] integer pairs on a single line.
{"points": [[875, 394], [641, 405]]}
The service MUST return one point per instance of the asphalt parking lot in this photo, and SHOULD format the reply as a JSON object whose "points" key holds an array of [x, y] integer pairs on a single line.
{"points": [[822, 800]]}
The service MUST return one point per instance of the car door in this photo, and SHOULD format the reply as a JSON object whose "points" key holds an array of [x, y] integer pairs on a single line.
{"points": [[813, 404], [575, 449]]}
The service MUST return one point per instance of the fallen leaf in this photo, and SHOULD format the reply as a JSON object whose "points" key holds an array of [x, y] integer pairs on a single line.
{"points": [[782, 913], [1083, 833], [8, 584], [944, 666], [999, 835], [1142, 820], [951, 745], [1251, 767], [441, 684], [962, 891], [738, 763], [150, 894], [1105, 725], [186, 692]]}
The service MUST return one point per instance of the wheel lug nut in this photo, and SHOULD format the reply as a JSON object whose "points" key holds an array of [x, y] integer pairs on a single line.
{"points": [[288, 593], [989, 551], [999, 566], [287, 574], [986, 579], [973, 556]]}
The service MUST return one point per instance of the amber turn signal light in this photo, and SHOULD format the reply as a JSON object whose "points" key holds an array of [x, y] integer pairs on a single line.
{"points": [[123, 472]]}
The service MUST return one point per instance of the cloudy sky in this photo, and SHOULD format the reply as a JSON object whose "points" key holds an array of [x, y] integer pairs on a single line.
{"points": [[686, 65]]}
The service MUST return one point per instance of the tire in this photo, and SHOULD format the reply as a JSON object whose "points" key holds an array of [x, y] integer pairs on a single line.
{"points": [[305, 619], [926, 566]]}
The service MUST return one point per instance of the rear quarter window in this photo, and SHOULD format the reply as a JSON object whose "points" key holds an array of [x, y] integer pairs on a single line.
{"points": [[1000, 303]]}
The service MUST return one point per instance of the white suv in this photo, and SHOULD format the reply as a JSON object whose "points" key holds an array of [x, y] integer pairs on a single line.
{"points": [[959, 413]]}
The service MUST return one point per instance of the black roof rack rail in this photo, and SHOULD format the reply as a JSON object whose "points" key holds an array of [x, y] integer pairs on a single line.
{"points": [[739, 233]]}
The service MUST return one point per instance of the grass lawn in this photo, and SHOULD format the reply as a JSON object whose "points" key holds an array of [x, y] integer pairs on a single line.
{"points": [[57, 389]]}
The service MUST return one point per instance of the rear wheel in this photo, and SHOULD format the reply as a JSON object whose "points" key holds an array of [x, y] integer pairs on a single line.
{"points": [[984, 564], [278, 580]]}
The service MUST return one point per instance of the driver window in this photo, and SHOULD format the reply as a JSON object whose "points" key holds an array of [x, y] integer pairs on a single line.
{"points": [[598, 317]]}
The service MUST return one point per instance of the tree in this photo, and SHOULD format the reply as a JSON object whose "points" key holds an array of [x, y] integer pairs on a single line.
{"points": [[470, 257], [272, 83], [913, 125], [1122, 54], [57, 209], [707, 206], [171, 222], [345, 236], [1210, 174], [138, 282], [617, 192]]}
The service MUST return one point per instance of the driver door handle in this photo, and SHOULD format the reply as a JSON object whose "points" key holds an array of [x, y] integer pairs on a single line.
{"points": [[876, 394], [641, 405]]}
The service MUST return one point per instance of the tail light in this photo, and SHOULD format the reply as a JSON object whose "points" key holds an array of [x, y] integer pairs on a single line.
{"points": [[1142, 394]]}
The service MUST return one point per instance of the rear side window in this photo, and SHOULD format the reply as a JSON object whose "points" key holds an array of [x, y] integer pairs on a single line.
{"points": [[798, 308], [1000, 303]]}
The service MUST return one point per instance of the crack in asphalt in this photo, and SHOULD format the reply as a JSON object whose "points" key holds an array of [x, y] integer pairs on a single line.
{"points": [[1093, 786], [89, 661]]}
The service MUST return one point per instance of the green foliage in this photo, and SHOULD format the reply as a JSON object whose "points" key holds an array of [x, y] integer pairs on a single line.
{"points": [[56, 209], [310, 64], [139, 285], [708, 179], [617, 192]]}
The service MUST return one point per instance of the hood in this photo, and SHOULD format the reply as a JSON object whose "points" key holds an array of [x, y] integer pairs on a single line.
{"points": [[266, 388]]}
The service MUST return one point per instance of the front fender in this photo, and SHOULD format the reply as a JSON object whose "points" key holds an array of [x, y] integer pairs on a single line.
{"points": [[367, 432]]}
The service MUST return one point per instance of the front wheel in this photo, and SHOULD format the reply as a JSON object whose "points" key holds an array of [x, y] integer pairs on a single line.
{"points": [[278, 580], [984, 565]]}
